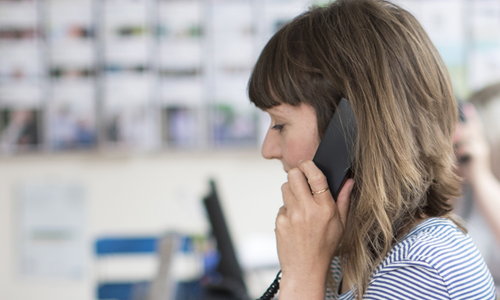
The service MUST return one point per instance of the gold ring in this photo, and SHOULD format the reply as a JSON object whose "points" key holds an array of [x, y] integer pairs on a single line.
{"points": [[319, 192]]}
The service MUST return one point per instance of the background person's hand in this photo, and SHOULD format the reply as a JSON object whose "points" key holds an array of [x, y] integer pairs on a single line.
{"points": [[309, 229], [471, 148], [470, 140]]}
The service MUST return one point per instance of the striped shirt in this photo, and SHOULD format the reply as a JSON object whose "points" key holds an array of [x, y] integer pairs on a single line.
{"points": [[435, 260]]}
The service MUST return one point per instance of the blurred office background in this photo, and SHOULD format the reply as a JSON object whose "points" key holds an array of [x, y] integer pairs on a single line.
{"points": [[114, 114]]}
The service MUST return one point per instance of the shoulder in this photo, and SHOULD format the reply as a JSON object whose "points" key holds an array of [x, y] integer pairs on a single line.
{"points": [[435, 260], [436, 241]]}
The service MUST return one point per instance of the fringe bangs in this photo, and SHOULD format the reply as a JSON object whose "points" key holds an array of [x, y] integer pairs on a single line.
{"points": [[272, 82]]}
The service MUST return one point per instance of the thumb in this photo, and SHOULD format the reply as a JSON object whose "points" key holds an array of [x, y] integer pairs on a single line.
{"points": [[343, 199]]}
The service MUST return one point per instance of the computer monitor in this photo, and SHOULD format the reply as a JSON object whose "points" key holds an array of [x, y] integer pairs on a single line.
{"points": [[231, 285]]}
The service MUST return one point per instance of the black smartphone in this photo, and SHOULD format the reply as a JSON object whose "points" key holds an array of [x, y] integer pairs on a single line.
{"points": [[336, 150], [334, 158]]}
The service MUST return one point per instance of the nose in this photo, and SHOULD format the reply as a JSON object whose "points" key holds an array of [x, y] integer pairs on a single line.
{"points": [[271, 148]]}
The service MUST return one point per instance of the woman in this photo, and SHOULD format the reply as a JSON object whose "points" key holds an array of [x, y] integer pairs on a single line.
{"points": [[480, 204], [391, 234]]}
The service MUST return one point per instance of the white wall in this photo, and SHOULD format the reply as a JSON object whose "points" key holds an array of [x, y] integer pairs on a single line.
{"points": [[138, 194]]}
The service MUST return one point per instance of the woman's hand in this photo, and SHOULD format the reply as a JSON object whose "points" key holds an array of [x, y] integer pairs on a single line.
{"points": [[308, 231]]}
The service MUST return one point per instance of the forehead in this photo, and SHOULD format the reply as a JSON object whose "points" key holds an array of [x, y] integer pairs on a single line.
{"points": [[281, 109], [286, 109]]}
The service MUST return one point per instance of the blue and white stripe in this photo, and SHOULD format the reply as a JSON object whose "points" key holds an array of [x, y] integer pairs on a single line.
{"points": [[435, 260]]}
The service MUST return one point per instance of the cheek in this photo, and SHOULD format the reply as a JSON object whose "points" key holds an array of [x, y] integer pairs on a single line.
{"points": [[300, 149]]}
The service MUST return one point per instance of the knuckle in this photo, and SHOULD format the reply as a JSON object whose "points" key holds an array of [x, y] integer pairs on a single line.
{"points": [[305, 163], [282, 212], [281, 220], [296, 219], [317, 178], [285, 187], [330, 212], [294, 172]]}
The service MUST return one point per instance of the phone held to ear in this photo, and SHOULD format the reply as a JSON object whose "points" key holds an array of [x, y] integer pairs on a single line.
{"points": [[334, 154], [334, 158]]}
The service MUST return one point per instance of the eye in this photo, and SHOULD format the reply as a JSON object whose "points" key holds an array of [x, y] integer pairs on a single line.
{"points": [[278, 127]]}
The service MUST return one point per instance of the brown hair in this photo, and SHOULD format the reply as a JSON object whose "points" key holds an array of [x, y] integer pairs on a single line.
{"points": [[376, 55]]}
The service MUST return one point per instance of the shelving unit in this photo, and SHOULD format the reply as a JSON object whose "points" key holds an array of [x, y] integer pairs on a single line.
{"points": [[129, 75], [154, 75]]}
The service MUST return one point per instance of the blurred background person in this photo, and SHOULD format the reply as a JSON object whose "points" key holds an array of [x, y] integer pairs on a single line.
{"points": [[477, 144]]}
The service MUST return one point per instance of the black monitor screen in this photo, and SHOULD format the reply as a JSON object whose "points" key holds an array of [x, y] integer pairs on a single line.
{"points": [[229, 267]]}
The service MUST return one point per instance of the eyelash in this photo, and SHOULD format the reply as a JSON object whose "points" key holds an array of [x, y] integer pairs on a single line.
{"points": [[278, 127]]}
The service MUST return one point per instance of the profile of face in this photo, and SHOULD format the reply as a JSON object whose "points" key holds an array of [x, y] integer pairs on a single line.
{"points": [[293, 134]]}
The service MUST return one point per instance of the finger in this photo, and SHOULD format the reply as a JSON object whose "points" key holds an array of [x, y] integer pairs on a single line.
{"points": [[473, 119], [466, 147], [316, 179], [298, 185], [460, 145], [463, 154], [458, 133], [469, 111], [288, 196], [344, 198], [464, 133]]}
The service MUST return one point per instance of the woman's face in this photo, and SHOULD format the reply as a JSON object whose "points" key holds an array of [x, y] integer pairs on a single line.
{"points": [[293, 134]]}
